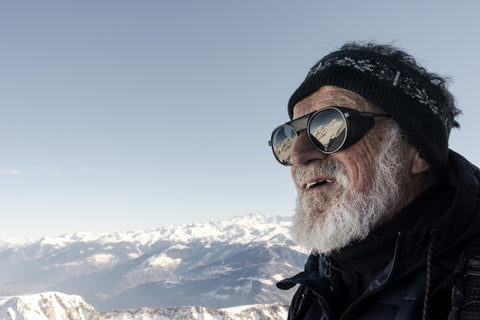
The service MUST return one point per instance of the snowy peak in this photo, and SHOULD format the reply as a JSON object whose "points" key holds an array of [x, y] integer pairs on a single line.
{"points": [[46, 306]]}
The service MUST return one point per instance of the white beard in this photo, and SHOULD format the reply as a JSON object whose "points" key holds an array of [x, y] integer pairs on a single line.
{"points": [[327, 221]]}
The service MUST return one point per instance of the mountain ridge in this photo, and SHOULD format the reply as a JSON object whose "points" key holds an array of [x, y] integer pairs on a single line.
{"points": [[144, 236]]}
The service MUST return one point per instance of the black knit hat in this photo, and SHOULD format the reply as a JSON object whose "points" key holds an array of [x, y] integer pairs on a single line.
{"points": [[423, 110]]}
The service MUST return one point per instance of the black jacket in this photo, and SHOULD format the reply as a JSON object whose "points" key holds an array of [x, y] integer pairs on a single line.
{"points": [[405, 268]]}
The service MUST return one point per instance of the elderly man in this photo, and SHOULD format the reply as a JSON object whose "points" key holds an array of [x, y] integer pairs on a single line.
{"points": [[390, 213]]}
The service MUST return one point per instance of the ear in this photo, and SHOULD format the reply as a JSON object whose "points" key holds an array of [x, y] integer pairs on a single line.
{"points": [[419, 164]]}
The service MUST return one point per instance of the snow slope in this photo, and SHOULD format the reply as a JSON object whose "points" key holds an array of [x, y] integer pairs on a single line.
{"points": [[46, 306], [277, 311], [59, 306]]}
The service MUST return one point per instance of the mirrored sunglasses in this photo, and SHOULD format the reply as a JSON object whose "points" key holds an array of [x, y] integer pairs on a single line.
{"points": [[329, 129]]}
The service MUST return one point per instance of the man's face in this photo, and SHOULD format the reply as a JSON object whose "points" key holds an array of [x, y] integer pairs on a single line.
{"points": [[342, 196], [357, 159]]}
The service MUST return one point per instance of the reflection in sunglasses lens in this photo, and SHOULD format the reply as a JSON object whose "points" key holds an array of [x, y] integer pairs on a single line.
{"points": [[283, 140], [328, 130]]}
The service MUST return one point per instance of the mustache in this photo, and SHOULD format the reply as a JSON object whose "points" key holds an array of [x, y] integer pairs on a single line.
{"points": [[327, 167]]}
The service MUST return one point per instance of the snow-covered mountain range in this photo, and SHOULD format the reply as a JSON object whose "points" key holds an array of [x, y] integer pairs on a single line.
{"points": [[59, 306], [214, 265]]}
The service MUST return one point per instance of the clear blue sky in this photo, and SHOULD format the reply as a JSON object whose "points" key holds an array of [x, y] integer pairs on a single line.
{"points": [[133, 114]]}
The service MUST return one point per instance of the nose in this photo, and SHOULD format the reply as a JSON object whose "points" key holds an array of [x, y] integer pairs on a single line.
{"points": [[304, 151]]}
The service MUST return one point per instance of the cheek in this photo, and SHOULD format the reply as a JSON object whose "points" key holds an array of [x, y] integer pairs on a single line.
{"points": [[360, 165]]}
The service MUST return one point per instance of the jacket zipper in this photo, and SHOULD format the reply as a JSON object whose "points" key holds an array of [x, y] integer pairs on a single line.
{"points": [[383, 285], [328, 271]]}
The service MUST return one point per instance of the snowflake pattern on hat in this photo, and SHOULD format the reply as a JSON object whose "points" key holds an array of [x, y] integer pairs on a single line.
{"points": [[385, 73]]}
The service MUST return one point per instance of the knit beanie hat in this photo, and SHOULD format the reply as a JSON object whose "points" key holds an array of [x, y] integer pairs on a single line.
{"points": [[423, 109]]}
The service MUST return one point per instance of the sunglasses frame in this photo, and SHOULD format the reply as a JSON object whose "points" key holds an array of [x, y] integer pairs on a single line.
{"points": [[357, 124]]}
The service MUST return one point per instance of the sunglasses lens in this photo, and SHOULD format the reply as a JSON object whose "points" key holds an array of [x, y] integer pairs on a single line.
{"points": [[283, 139], [328, 130]]}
